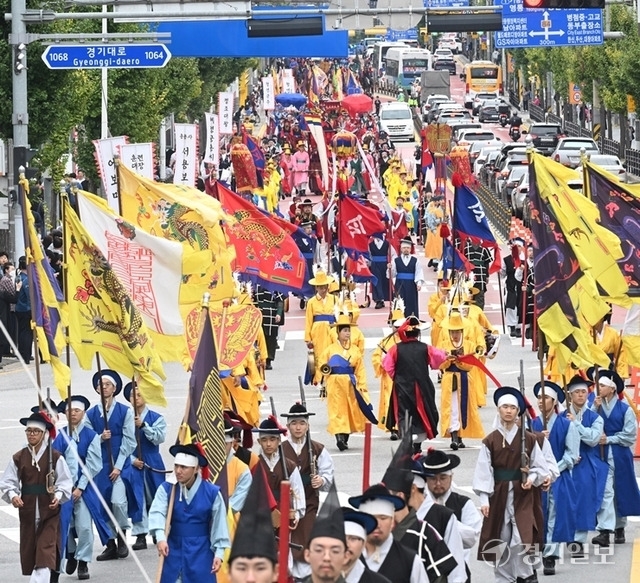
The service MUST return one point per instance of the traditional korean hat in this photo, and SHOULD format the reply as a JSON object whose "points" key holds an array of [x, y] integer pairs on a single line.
{"points": [[191, 455], [297, 411], [321, 278], [41, 421], [607, 377], [550, 390], [358, 524], [454, 322], [398, 476], [108, 374], [240, 425], [329, 521], [270, 426], [376, 500], [436, 462], [47, 405], [510, 396], [406, 241], [77, 402], [577, 382], [342, 320]]}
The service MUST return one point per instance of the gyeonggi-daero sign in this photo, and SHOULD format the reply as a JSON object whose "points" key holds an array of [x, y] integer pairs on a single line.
{"points": [[129, 56]]}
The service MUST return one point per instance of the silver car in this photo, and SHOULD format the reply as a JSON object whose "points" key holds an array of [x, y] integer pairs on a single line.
{"points": [[568, 153]]}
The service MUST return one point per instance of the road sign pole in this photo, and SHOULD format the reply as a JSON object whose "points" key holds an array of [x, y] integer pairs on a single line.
{"points": [[104, 77], [18, 42]]}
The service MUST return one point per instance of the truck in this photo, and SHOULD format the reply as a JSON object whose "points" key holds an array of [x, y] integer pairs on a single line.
{"points": [[434, 82]]}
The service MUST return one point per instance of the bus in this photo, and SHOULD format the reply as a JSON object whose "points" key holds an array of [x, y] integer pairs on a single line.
{"points": [[481, 76], [380, 52], [405, 64]]}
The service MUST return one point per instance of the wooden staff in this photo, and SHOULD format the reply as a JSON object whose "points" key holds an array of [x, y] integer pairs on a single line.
{"points": [[596, 380], [366, 459], [65, 286], [134, 390], [504, 329], [524, 300], [103, 400], [541, 361], [167, 529], [283, 542]]}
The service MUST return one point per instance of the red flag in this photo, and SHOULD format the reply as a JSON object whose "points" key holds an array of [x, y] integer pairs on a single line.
{"points": [[265, 252], [356, 224], [359, 271]]}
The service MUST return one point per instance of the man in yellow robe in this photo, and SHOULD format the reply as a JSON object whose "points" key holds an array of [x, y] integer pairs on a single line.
{"points": [[319, 317]]}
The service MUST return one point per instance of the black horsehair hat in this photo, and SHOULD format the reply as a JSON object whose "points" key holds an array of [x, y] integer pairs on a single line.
{"points": [[297, 411]]}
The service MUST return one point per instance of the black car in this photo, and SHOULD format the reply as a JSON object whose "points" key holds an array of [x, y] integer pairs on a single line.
{"points": [[489, 111], [545, 136], [444, 64]]}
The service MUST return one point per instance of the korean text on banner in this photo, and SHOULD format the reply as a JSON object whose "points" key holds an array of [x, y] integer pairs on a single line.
{"points": [[186, 168], [106, 151], [139, 158], [212, 147], [288, 82], [225, 113], [268, 93]]}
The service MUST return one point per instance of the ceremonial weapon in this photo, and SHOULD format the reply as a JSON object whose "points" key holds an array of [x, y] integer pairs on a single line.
{"points": [[312, 460], [283, 460], [134, 391], [103, 401], [51, 476], [524, 457]]}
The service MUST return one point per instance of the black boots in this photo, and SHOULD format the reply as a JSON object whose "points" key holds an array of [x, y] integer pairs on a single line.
{"points": [[123, 549], [602, 539], [456, 442], [141, 542], [72, 564], [514, 332], [618, 537], [341, 441], [394, 435], [110, 552], [83, 571], [549, 565]]}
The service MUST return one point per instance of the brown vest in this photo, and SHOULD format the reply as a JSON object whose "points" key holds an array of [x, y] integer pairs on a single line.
{"points": [[38, 546]]}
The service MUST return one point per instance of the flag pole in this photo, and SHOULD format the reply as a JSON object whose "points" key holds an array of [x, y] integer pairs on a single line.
{"points": [[23, 186], [65, 268], [103, 401], [523, 288], [541, 362], [134, 391], [167, 528], [366, 460], [504, 329]]}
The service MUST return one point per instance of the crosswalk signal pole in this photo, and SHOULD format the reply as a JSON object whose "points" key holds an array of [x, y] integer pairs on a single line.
{"points": [[20, 118]]}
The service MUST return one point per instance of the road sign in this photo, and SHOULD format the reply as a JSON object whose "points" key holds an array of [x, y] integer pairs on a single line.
{"points": [[131, 56], [522, 27], [409, 34], [445, 3]]}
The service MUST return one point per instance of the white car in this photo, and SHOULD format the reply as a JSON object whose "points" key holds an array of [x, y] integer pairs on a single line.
{"points": [[467, 136], [396, 119], [609, 163], [442, 53], [483, 156], [479, 98]]}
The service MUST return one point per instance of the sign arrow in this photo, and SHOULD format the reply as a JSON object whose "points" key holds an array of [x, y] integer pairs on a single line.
{"points": [[546, 33]]}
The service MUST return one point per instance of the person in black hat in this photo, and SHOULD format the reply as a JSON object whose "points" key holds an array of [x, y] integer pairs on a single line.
{"points": [[409, 277], [24, 486], [198, 535], [242, 433], [513, 273], [381, 253], [308, 246], [316, 470], [77, 441], [327, 543], [621, 497], [560, 502], [118, 444], [435, 472], [507, 501], [271, 306], [357, 525], [419, 534], [146, 470], [307, 216], [383, 554], [238, 473], [254, 556], [269, 438]]}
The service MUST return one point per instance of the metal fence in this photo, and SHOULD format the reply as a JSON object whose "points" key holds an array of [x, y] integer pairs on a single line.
{"points": [[553, 118], [572, 129], [536, 112], [513, 98], [632, 160], [611, 147]]}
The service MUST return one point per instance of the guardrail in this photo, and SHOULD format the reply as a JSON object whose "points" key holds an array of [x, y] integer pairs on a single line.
{"points": [[611, 147], [632, 160], [553, 118], [536, 112]]}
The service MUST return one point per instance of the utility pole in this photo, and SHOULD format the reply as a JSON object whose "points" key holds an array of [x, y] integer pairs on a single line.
{"points": [[20, 118]]}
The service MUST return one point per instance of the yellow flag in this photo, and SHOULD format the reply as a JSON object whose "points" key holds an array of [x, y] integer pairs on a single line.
{"points": [[49, 310], [103, 318]]}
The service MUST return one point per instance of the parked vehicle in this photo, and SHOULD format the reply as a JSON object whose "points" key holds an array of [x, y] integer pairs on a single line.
{"points": [[489, 110], [609, 163], [483, 157], [545, 136], [516, 173], [396, 120], [466, 137], [568, 150], [476, 147]]}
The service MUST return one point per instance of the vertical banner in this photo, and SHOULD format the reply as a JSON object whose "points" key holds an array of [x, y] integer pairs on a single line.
{"points": [[106, 151], [268, 93], [225, 113], [288, 82], [186, 167], [139, 158], [212, 144]]}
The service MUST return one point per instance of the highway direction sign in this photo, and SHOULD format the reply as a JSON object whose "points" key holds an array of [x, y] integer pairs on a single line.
{"points": [[130, 56], [548, 28]]}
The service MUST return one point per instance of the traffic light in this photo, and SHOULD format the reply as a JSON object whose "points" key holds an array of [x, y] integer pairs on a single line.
{"points": [[21, 157], [19, 57], [424, 35], [563, 4]]}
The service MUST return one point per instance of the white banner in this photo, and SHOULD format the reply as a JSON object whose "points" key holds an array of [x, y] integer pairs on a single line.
{"points": [[288, 82], [268, 93], [106, 151], [225, 113], [212, 146], [138, 158], [150, 268], [186, 166]]}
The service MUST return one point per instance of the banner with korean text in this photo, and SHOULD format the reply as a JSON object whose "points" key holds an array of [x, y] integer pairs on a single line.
{"points": [[288, 82], [212, 146], [268, 93], [225, 113], [186, 140], [106, 150], [139, 158]]}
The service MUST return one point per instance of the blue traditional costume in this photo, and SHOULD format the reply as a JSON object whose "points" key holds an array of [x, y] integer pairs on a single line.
{"points": [[381, 253], [409, 276]]}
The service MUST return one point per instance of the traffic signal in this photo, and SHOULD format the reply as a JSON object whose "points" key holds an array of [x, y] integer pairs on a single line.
{"points": [[19, 57], [424, 35], [566, 4]]}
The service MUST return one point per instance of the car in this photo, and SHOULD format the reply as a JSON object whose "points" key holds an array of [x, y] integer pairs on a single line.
{"points": [[440, 106], [453, 116], [442, 53], [489, 111], [511, 155], [609, 163], [503, 175], [396, 120], [568, 150], [483, 157], [479, 98], [545, 136], [515, 175], [432, 99], [487, 170], [476, 147], [445, 64], [573, 183], [459, 126], [467, 136], [449, 40]]}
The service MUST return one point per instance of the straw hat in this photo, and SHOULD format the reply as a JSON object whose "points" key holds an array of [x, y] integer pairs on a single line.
{"points": [[321, 278], [343, 320], [454, 322]]}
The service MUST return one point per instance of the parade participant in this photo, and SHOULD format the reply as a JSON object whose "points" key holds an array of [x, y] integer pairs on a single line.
{"points": [[242, 433], [147, 466], [381, 253], [319, 317], [346, 384], [590, 474], [254, 555], [316, 470], [348, 306], [306, 215], [480, 257], [301, 169], [459, 398], [195, 537], [434, 216], [286, 168], [398, 228], [269, 439], [357, 526], [77, 441], [621, 495], [408, 363], [610, 340], [25, 485], [409, 278], [419, 535], [560, 502], [308, 246], [437, 307], [507, 500], [238, 473], [513, 272], [271, 306], [528, 288], [118, 444], [386, 382], [438, 474], [382, 553]]}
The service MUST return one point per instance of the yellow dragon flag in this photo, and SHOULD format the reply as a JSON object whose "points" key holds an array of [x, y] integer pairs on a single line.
{"points": [[103, 318], [49, 310]]}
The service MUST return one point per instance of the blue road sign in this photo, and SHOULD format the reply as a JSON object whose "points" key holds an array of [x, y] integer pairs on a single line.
{"points": [[445, 3], [548, 28], [409, 34], [106, 56]]}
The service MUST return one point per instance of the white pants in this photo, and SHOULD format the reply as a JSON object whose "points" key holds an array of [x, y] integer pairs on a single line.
{"points": [[40, 575]]}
